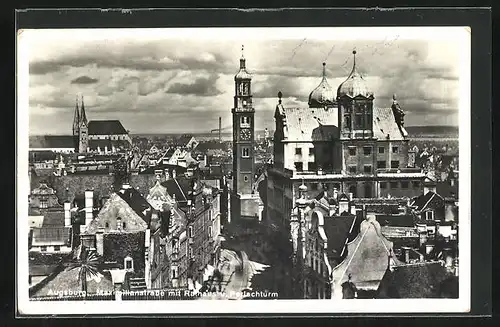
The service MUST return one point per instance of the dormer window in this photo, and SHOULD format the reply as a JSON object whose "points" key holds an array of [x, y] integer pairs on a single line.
{"points": [[128, 263]]}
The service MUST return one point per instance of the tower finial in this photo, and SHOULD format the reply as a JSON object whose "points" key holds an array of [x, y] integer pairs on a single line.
{"points": [[354, 54], [394, 97], [324, 69], [242, 51], [280, 95]]}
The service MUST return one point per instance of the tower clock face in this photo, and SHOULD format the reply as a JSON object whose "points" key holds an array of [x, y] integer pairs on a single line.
{"points": [[245, 134]]}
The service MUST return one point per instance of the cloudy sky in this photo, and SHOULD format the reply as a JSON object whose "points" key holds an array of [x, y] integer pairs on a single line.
{"points": [[165, 80]]}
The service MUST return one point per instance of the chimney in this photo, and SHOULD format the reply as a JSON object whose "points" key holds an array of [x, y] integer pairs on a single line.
{"points": [[118, 279], [174, 173], [158, 174], [448, 259], [391, 262], [89, 205], [335, 193], [436, 232], [167, 175], [67, 214], [99, 241], [407, 253], [351, 196]]}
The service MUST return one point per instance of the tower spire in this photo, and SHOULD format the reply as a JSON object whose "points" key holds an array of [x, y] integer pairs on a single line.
{"points": [[76, 118], [242, 59], [83, 116], [324, 70]]}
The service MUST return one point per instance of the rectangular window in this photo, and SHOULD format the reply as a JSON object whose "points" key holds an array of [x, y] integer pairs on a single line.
{"points": [[352, 151], [415, 184], [367, 169], [209, 231], [299, 166], [312, 166], [393, 185], [352, 169], [383, 185], [312, 151], [381, 164], [367, 150], [245, 121], [174, 273], [395, 164], [57, 248], [404, 184], [381, 150], [43, 248], [44, 203], [395, 149], [245, 178], [190, 231], [429, 215], [245, 152], [298, 151]]}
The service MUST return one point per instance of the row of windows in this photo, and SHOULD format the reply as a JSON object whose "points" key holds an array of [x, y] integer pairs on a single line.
{"points": [[367, 169], [298, 151], [404, 184], [56, 248], [367, 150]]}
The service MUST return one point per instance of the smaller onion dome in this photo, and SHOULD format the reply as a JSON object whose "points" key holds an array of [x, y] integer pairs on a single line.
{"points": [[243, 73], [354, 85], [323, 95]]}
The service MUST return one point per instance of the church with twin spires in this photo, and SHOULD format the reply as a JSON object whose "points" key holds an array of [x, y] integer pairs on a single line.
{"points": [[98, 136]]}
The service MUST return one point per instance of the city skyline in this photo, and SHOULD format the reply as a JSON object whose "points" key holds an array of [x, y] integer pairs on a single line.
{"points": [[153, 85]]}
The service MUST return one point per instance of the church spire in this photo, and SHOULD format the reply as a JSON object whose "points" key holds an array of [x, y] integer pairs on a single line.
{"points": [[83, 116], [76, 118]]}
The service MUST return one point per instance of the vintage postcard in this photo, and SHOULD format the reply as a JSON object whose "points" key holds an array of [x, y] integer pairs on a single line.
{"points": [[311, 170]]}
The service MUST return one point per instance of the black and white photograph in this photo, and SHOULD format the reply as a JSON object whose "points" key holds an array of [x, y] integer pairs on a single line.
{"points": [[297, 167]]}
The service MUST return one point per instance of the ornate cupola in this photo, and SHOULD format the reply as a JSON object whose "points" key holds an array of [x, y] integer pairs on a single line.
{"points": [[355, 103], [323, 95], [355, 85]]}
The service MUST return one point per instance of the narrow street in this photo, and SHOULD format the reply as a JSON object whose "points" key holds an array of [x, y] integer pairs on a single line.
{"points": [[251, 262]]}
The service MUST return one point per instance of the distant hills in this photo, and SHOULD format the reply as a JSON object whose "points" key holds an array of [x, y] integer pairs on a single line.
{"points": [[432, 131]]}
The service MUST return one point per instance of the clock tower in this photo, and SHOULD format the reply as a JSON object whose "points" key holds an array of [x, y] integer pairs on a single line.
{"points": [[243, 131]]}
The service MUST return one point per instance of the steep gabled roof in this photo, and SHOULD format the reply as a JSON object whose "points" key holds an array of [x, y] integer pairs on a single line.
{"points": [[424, 201], [396, 220], [51, 142], [384, 125], [419, 280], [311, 124], [138, 203], [106, 127], [337, 230], [178, 187]]}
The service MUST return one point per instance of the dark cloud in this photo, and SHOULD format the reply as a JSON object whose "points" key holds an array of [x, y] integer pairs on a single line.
{"points": [[270, 87], [200, 87], [84, 80], [44, 67]]}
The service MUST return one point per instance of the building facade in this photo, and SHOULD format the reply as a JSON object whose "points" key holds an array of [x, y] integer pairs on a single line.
{"points": [[341, 143]]}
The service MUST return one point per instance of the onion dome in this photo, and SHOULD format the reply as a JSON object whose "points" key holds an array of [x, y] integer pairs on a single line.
{"points": [[354, 85], [243, 73], [323, 94]]}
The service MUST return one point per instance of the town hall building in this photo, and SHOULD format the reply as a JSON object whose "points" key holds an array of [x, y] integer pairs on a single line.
{"points": [[341, 143]]}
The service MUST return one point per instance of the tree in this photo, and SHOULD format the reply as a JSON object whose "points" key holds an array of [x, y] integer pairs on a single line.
{"points": [[87, 261]]}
